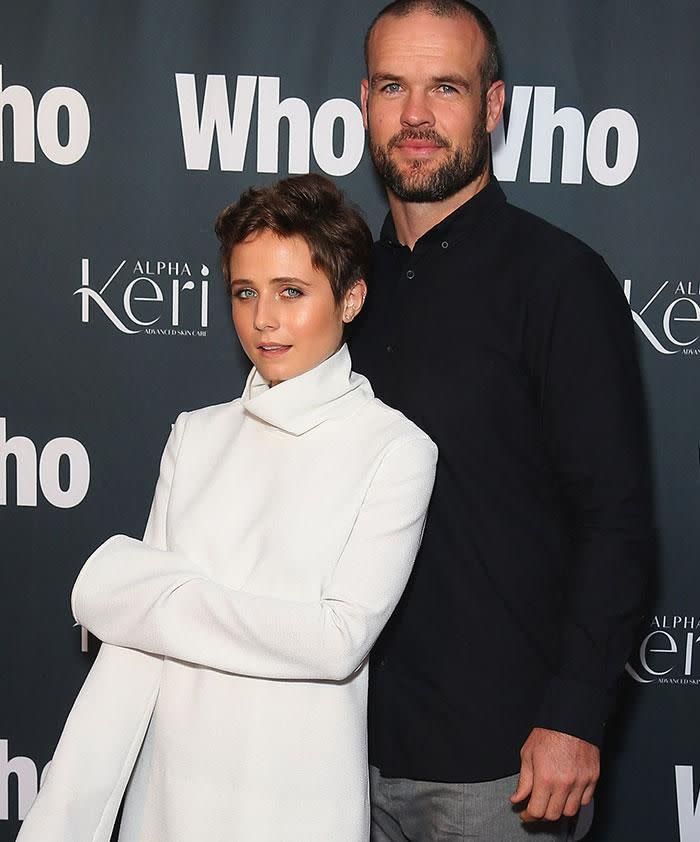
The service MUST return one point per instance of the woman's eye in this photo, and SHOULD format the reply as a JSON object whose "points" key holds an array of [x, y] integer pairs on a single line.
{"points": [[244, 293], [292, 292]]}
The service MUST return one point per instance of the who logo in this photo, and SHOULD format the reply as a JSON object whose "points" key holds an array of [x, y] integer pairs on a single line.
{"points": [[152, 297], [60, 123], [16, 797], [61, 469], [335, 133], [579, 142], [688, 805]]}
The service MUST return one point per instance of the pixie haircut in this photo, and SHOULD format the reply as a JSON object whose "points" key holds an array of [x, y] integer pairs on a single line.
{"points": [[307, 206], [490, 68]]}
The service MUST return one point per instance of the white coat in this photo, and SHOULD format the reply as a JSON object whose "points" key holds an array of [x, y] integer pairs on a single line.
{"points": [[231, 690]]}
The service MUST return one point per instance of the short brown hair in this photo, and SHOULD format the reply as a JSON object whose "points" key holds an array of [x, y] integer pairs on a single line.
{"points": [[490, 67], [307, 206]]}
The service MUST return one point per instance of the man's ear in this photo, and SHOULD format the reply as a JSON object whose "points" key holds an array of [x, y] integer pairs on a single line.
{"points": [[495, 100], [353, 300], [364, 96]]}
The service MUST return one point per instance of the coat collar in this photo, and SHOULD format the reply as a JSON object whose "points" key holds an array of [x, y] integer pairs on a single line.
{"points": [[299, 404]]}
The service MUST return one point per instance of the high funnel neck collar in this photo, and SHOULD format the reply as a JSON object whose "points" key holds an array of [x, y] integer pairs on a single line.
{"points": [[297, 405]]}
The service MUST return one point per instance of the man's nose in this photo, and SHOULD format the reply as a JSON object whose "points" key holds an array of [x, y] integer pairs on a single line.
{"points": [[416, 111]]}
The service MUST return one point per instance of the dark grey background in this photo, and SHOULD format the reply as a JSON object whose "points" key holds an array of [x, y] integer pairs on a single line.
{"points": [[131, 197]]}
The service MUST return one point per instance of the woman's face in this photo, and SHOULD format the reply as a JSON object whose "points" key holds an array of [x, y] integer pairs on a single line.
{"points": [[283, 308]]}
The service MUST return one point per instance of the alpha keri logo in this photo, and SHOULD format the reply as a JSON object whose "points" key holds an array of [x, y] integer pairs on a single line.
{"points": [[667, 654], [153, 297], [668, 316]]}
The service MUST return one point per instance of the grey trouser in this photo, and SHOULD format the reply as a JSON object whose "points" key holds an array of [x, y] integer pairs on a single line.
{"points": [[420, 811]]}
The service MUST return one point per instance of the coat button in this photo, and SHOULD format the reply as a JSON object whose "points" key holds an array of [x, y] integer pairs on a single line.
{"points": [[410, 274], [390, 349]]}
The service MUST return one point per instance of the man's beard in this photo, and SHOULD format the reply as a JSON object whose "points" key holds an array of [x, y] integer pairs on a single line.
{"points": [[463, 165]]}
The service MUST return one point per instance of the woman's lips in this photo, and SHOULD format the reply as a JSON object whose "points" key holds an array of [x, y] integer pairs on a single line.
{"points": [[272, 349]]}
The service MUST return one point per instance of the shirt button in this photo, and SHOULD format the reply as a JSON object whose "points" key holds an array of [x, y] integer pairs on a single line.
{"points": [[410, 274], [445, 244]]}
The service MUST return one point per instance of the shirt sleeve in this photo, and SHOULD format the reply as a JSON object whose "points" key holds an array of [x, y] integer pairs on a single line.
{"points": [[134, 595], [595, 433]]}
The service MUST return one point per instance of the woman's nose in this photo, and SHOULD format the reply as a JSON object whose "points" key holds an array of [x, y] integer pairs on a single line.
{"points": [[266, 313]]}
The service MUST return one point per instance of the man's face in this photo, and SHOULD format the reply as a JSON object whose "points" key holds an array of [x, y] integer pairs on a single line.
{"points": [[427, 117]]}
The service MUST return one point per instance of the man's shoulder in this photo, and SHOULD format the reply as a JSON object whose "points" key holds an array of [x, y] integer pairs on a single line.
{"points": [[538, 237], [553, 262]]}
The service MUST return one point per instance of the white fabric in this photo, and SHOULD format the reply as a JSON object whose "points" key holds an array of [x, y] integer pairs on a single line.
{"points": [[283, 531]]}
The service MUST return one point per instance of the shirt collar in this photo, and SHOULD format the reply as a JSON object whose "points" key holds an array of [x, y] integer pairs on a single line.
{"points": [[297, 405], [461, 221]]}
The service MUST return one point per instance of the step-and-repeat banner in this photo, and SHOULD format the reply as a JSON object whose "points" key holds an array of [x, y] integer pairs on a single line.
{"points": [[126, 127]]}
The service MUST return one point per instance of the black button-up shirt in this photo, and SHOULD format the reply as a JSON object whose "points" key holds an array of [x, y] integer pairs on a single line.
{"points": [[511, 344]]}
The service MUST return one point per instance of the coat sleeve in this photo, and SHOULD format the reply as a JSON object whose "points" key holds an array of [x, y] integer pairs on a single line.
{"points": [[96, 752], [133, 595]]}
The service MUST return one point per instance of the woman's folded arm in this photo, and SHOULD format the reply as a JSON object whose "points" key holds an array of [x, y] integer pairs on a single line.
{"points": [[133, 595]]}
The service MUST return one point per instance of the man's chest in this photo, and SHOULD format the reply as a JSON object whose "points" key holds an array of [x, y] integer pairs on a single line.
{"points": [[450, 328]]}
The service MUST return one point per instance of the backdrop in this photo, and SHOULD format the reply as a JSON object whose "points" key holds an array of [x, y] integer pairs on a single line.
{"points": [[126, 127]]}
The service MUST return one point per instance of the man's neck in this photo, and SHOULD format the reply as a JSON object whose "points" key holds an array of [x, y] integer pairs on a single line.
{"points": [[413, 219]]}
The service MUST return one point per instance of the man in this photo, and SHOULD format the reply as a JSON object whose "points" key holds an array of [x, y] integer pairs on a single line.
{"points": [[511, 344]]}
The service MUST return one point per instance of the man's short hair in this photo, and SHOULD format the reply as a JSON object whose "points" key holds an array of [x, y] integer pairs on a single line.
{"points": [[490, 67], [307, 206]]}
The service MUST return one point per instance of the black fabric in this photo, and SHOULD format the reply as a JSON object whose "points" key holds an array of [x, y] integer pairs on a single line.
{"points": [[511, 344]]}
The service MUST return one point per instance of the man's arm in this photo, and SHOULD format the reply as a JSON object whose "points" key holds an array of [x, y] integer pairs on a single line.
{"points": [[132, 595], [594, 428]]}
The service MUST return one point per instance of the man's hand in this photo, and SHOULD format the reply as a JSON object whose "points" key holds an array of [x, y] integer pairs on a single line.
{"points": [[558, 773]]}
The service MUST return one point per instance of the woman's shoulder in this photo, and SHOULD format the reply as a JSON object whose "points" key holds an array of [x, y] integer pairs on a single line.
{"points": [[393, 426], [206, 417]]}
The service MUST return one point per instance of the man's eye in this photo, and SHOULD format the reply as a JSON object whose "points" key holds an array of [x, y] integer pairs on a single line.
{"points": [[392, 88], [292, 292], [244, 293], [447, 89]]}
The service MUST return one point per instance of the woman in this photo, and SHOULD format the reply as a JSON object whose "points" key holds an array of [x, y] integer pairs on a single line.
{"points": [[283, 530]]}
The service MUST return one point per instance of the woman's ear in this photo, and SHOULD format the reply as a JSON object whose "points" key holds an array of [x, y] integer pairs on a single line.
{"points": [[353, 300]]}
